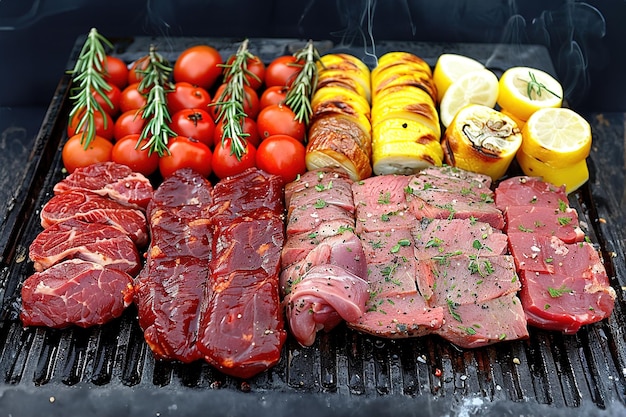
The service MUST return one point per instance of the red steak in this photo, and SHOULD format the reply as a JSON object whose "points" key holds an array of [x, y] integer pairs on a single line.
{"points": [[75, 292], [90, 207], [110, 179], [95, 242], [170, 288]]}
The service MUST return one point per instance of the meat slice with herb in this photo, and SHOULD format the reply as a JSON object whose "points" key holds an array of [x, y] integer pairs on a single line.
{"points": [[564, 285], [443, 193], [434, 237], [110, 179], [524, 191], [478, 297], [323, 264], [90, 207], [75, 292], [381, 203], [77, 239], [560, 222]]}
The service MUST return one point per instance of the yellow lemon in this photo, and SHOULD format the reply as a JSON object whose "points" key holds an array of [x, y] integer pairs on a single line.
{"points": [[572, 176], [476, 87], [449, 68], [525, 90], [557, 136]]}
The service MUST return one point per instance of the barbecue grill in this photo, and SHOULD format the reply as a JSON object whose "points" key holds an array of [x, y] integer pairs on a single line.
{"points": [[109, 370]]}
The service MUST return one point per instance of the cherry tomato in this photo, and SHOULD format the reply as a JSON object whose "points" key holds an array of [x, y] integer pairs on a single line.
{"points": [[282, 155], [126, 152], [135, 76], [186, 153], [194, 123], [256, 71], [199, 65], [74, 155], [279, 119], [250, 103], [273, 95], [114, 95], [282, 71], [128, 123], [249, 128], [103, 123], [116, 72], [226, 164], [187, 96], [132, 98]]}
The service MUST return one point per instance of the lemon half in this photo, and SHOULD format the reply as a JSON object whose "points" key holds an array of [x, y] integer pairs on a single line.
{"points": [[451, 67], [476, 87]]}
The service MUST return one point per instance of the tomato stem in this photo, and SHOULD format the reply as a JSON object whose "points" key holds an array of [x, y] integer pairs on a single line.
{"points": [[88, 81]]}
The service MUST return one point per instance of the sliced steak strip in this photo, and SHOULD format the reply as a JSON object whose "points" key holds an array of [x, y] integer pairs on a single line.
{"points": [[90, 207], [564, 285], [110, 179], [524, 191], [242, 329], [546, 221], [95, 242], [75, 292], [171, 287], [434, 194], [439, 236]]}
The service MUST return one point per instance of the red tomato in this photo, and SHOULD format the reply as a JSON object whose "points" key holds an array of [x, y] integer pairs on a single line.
{"points": [[194, 123], [186, 153], [256, 71], [279, 119], [282, 71], [75, 155], [273, 95], [249, 127], [114, 95], [250, 103], [187, 96], [116, 72], [199, 65], [103, 123], [132, 99], [226, 163], [282, 155], [128, 123], [126, 152], [140, 64]]}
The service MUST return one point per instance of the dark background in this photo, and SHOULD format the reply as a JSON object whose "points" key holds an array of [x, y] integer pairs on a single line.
{"points": [[585, 39]]}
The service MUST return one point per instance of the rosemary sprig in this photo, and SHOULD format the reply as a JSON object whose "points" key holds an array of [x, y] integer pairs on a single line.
{"points": [[156, 82], [298, 97], [536, 87], [230, 103], [88, 80]]}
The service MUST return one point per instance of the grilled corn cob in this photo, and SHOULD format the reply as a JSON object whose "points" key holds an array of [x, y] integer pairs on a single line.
{"points": [[340, 130], [405, 122]]}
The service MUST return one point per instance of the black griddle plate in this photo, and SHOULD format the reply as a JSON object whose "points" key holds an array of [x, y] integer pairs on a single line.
{"points": [[109, 370]]}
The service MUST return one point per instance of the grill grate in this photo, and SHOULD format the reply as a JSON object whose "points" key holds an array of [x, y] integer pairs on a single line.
{"points": [[112, 367]]}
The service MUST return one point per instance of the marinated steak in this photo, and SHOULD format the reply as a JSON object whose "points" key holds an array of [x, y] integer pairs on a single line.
{"points": [[90, 207], [110, 179], [241, 329], [95, 242], [170, 289], [75, 292]]}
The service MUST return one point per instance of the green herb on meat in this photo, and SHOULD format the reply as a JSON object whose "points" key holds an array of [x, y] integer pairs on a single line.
{"points": [[452, 309], [564, 221], [319, 204], [384, 197], [558, 292]]}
